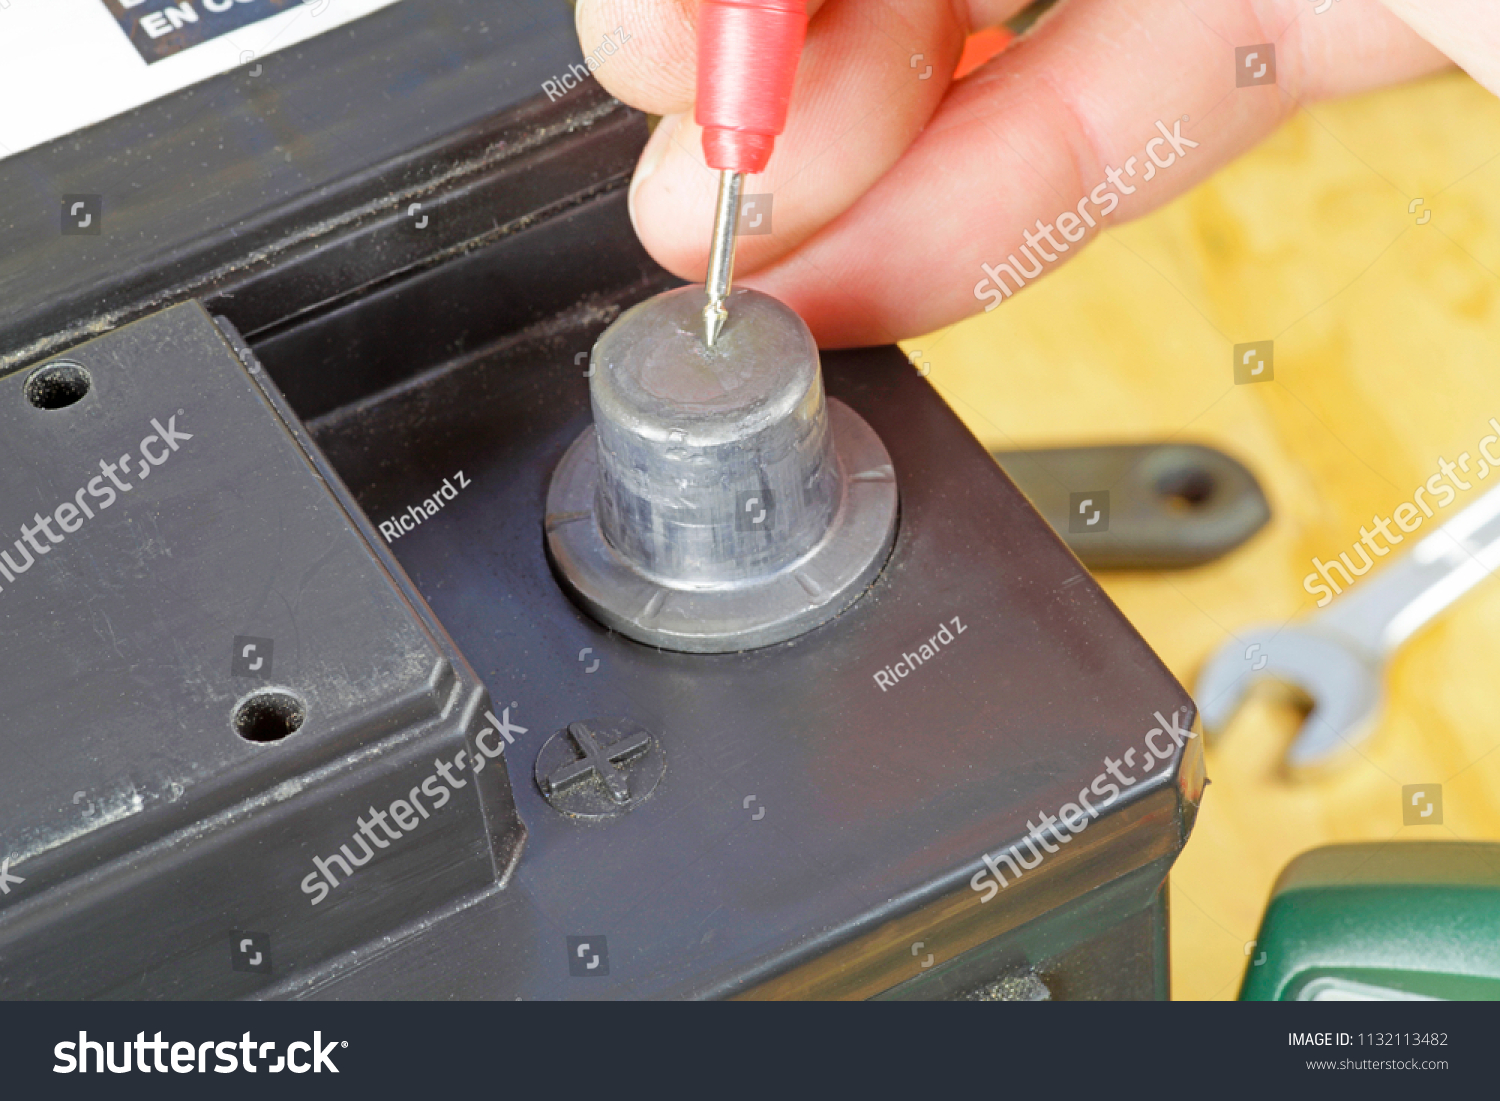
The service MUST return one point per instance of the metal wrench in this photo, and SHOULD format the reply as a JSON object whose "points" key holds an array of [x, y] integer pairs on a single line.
{"points": [[1338, 656]]}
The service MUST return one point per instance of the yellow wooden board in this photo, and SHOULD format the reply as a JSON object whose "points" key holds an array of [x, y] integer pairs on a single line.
{"points": [[1387, 359]]}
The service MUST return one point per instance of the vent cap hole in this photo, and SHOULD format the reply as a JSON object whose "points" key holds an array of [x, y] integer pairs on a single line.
{"points": [[269, 716], [57, 385]]}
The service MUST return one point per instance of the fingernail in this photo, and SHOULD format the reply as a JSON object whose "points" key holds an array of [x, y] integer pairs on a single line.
{"points": [[656, 151]]}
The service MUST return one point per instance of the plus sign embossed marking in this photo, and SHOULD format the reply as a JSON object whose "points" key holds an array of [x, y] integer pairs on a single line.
{"points": [[599, 768]]}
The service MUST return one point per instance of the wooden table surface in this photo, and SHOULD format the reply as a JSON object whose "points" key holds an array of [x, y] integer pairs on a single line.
{"points": [[1387, 359]]}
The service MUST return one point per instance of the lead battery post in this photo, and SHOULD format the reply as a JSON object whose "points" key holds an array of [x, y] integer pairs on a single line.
{"points": [[720, 501]]}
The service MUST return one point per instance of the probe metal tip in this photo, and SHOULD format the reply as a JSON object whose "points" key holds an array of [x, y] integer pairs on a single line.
{"points": [[714, 316], [721, 255]]}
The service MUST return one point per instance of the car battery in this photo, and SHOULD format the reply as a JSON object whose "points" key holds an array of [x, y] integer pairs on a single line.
{"points": [[317, 709]]}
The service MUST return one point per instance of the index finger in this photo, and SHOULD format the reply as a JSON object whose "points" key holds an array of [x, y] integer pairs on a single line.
{"points": [[1062, 122]]}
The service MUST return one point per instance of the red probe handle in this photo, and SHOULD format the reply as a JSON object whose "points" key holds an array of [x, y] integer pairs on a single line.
{"points": [[747, 61]]}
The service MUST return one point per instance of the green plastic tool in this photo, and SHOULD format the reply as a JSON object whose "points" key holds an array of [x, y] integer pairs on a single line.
{"points": [[1386, 921]]}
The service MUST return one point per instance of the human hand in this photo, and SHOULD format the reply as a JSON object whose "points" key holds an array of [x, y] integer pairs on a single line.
{"points": [[894, 186]]}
